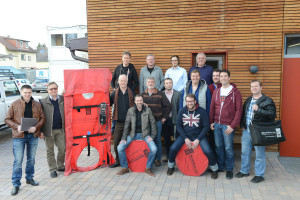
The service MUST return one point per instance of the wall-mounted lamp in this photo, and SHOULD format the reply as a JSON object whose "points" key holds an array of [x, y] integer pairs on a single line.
{"points": [[253, 69]]}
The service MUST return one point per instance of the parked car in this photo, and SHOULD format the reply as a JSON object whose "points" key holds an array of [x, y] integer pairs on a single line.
{"points": [[9, 92], [40, 85], [21, 82]]}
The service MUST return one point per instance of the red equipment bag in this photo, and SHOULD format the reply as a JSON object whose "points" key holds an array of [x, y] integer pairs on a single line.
{"points": [[191, 162], [87, 117], [137, 155]]}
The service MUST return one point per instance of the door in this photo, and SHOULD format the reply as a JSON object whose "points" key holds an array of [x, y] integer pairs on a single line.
{"points": [[290, 106]]}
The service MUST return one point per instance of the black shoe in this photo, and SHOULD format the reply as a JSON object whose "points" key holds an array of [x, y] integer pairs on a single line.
{"points": [[240, 175], [116, 164], [214, 175], [157, 163], [257, 179], [53, 174], [229, 175], [32, 182], [170, 171], [61, 170], [15, 190]]}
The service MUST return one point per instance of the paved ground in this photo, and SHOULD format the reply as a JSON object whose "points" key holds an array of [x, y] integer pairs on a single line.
{"points": [[102, 183]]}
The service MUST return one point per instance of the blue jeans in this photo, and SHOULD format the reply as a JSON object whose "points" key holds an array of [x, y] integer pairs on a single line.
{"points": [[18, 149], [260, 159], [158, 140], [123, 146], [176, 146], [224, 147]]}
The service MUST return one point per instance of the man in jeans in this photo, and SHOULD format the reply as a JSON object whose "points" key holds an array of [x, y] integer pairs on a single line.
{"points": [[54, 129], [225, 114], [192, 125], [161, 108], [122, 98], [25, 107], [139, 125], [257, 108]]}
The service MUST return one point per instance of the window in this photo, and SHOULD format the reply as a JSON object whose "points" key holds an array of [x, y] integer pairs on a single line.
{"points": [[292, 46], [10, 88], [23, 57], [70, 36], [21, 43], [10, 56], [57, 40], [29, 58], [85, 35], [26, 45]]}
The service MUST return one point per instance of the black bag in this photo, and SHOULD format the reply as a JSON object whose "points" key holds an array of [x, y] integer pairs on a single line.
{"points": [[266, 133]]}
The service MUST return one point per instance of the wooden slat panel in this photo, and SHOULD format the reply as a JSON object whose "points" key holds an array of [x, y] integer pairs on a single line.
{"points": [[251, 32]]}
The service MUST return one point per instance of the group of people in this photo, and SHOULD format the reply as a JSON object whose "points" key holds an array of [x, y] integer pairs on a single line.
{"points": [[49, 113], [198, 108]]}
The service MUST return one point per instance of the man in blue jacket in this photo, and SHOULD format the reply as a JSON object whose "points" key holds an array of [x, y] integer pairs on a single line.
{"points": [[192, 125]]}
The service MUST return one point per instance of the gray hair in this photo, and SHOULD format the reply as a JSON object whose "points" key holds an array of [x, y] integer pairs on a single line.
{"points": [[123, 75], [126, 53], [150, 55], [150, 78], [203, 54]]}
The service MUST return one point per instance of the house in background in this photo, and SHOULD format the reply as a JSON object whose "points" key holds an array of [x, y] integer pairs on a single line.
{"points": [[59, 56], [17, 53]]}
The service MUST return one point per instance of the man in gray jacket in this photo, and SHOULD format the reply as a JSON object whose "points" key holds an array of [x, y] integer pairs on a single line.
{"points": [[53, 130], [138, 121], [151, 70]]}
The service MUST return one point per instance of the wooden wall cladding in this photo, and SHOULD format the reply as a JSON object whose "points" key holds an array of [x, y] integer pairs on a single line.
{"points": [[250, 31]]}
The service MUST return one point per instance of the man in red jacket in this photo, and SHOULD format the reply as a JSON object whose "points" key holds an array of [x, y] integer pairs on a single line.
{"points": [[225, 114]]}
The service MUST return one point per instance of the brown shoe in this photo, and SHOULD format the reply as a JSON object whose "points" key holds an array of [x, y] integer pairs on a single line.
{"points": [[149, 172], [123, 171]]}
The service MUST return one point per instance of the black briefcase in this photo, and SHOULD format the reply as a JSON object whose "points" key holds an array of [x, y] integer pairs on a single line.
{"points": [[266, 133]]}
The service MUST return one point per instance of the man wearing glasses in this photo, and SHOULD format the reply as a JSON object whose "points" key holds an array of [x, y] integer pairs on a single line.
{"points": [[53, 130]]}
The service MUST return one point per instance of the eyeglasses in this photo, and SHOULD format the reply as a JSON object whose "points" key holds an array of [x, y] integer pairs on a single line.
{"points": [[52, 89]]}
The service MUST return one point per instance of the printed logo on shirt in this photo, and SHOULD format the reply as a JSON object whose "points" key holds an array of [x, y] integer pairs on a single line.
{"points": [[222, 98], [191, 120]]}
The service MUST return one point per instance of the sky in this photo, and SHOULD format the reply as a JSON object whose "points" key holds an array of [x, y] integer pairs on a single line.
{"points": [[27, 20]]}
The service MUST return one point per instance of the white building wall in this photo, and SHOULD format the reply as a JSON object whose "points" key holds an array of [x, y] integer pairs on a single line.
{"points": [[59, 56]]}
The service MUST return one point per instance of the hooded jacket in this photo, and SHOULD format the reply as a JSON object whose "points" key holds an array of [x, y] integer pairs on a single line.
{"points": [[230, 112], [192, 124], [203, 96], [131, 73]]}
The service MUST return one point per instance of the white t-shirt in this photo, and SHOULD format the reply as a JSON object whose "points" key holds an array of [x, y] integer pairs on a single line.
{"points": [[225, 92]]}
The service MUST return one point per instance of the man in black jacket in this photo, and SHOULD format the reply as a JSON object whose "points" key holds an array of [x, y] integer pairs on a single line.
{"points": [[122, 98], [129, 70], [257, 108]]}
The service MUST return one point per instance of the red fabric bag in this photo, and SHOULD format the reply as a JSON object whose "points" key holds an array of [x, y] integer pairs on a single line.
{"points": [[191, 162], [137, 155], [86, 89]]}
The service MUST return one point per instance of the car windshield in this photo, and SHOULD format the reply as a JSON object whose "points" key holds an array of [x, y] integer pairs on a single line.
{"points": [[42, 81]]}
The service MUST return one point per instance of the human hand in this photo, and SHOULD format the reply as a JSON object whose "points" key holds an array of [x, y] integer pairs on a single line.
{"points": [[122, 141], [188, 143], [42, 136], [163, 120], [19, 129], [255, 107], [212, 126], [229, 130], [149, 139], [195, 144], [32, 129]]}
